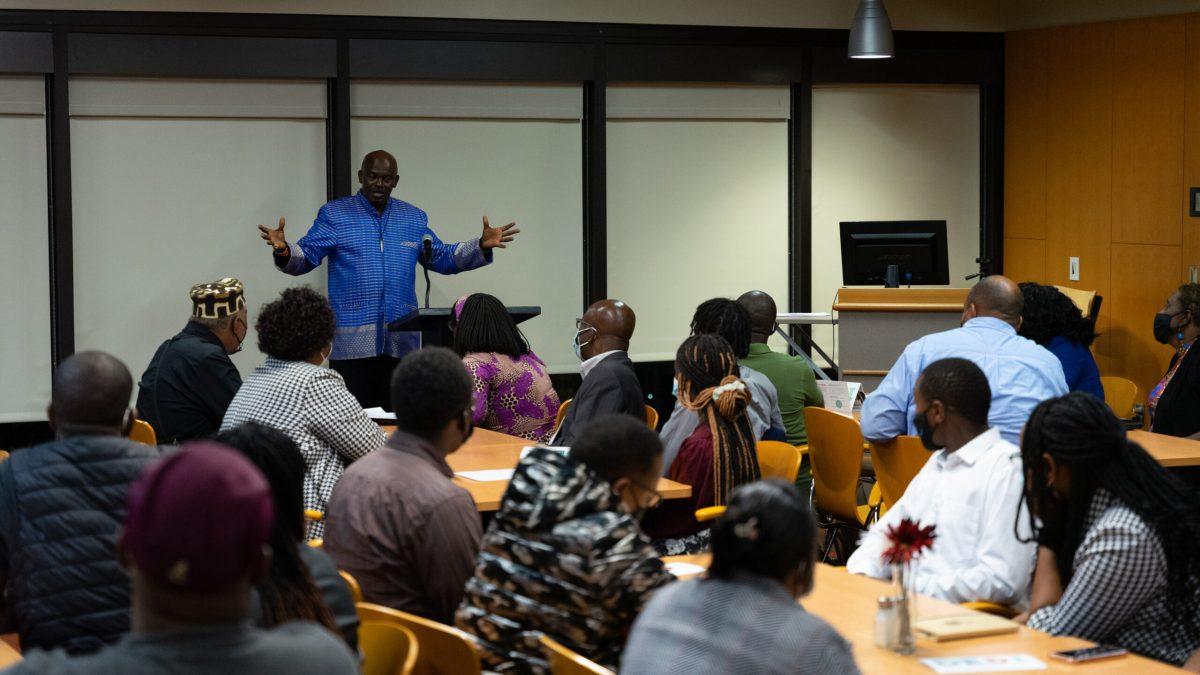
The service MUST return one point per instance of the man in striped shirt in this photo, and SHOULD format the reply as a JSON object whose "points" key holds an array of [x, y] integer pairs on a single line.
{"points": [[374, 244]]}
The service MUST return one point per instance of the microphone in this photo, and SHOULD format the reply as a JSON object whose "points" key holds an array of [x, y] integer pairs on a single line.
{"points": [[426, 261]]}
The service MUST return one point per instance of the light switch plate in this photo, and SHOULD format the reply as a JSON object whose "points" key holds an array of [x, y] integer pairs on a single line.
{"points": [[1073, 269]]}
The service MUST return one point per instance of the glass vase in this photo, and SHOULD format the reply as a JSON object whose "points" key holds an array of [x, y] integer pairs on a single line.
{"points": [[902, 581]]}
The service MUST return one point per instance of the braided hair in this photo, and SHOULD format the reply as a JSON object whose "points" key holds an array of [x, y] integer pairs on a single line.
{"points": [[726, 318], [1048, 314], [1080, 432], [287, 592], [708, 384]]}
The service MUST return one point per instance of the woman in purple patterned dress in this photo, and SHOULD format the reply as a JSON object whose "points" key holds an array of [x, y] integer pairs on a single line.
{"points": [[513, 393]]}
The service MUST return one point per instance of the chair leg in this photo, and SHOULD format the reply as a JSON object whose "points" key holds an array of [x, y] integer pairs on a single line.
{"points": [[830, 540]]}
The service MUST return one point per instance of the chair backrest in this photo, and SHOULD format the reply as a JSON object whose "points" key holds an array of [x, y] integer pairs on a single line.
{"points": [[562, 412], [709, 513], [387, 648], [652, 418], [445, 650], [352, 584], [1120, 394], [142, 432], [777, 459], [896, 463], [563, 661], [1084, 300], [3, 455], [835, 449]]}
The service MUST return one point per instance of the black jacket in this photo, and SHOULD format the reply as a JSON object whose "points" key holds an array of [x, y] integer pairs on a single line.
{"points": [[61, 506], [1178, 409], [610, 387], [190, 381]]}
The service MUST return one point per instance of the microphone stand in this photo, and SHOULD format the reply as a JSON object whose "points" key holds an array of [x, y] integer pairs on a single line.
{"points": [[427, 255]]}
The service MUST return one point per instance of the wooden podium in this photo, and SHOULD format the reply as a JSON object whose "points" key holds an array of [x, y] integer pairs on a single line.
{"points": [[876, 324]]}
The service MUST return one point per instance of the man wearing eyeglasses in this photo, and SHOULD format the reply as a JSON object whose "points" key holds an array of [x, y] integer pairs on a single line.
{"points": [[374, 243], [609, 384]]}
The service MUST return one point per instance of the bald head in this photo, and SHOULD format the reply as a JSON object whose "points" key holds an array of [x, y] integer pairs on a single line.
{"points": [[377, 176], [995, 296], [762, 310], [90, 389], [613, 322]]}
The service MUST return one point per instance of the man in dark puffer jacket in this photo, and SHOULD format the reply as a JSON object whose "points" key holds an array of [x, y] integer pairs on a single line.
{"points": [[564, 556], [61, 505]]}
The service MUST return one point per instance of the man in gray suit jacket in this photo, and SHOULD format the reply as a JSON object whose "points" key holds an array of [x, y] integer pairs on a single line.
{"points": [[609, 383]]}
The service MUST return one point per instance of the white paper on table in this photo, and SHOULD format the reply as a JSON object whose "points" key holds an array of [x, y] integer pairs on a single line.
{"points": [[560, 449], [992, 663], [486, 475], [683, 570], [839, 395], [379, 414]]}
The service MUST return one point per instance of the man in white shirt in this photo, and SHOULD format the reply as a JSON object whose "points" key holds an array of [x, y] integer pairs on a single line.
{"points": [[969, 489]]}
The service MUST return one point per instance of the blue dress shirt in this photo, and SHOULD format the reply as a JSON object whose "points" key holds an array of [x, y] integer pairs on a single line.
{"points": [[1079, 366], [1020, 372], [372, 270]]}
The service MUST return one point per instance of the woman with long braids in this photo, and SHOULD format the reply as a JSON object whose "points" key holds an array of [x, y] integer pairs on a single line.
{"points": [[302, 582], [718, 456], [1118, 535]]}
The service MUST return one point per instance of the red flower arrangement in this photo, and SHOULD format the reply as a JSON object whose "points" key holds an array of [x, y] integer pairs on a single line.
{"points": [[908, 540]]}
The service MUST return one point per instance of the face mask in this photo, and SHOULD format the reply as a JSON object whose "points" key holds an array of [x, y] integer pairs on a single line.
{"points": [[675, 388], [1162, 327], [241, 340], [577, 346], [925, 431]]}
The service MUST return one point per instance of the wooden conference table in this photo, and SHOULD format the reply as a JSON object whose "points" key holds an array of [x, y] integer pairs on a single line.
{"points": [[1170, 451], [487, 450], [848, 602]]}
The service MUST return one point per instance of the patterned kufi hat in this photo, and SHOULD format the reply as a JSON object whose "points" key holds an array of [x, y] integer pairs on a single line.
{"points": [[217, 299]]}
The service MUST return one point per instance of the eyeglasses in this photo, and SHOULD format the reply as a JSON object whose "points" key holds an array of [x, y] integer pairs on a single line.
{"points": [[581, 325]]}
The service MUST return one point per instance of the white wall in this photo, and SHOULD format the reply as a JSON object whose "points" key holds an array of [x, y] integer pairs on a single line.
{"points": [[162, 201], [893, 153], [508, 151], [697, 203], [24, 252]]}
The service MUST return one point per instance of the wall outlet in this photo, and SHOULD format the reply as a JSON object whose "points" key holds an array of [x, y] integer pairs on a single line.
{"points": [[1073, 269]]}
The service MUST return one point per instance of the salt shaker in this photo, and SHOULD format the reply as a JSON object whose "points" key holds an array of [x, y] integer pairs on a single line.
{"points": [[887, 623]]}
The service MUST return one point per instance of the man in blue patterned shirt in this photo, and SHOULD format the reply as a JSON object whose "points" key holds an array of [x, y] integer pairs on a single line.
{"points": [[374, 244]]}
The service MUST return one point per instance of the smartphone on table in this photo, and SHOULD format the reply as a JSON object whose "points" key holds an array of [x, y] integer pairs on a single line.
{"points": [[1089, 653]]}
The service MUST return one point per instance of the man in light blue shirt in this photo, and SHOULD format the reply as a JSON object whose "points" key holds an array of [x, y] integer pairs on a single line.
{"points": [[1020, 372]]}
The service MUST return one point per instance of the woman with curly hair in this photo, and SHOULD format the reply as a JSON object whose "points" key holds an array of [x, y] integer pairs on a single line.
{"points": [[718, 456], [1053, 321], [291, 392]]}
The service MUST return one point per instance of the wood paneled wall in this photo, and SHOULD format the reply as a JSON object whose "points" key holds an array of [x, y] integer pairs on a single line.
{"points": [[1102, 140]]}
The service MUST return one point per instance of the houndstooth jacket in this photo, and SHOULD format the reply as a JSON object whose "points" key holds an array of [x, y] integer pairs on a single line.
{"points": [[311, 405]]}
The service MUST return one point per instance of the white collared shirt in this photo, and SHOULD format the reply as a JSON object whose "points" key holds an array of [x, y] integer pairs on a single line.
{"points": [[972, 497], [588, 364]]}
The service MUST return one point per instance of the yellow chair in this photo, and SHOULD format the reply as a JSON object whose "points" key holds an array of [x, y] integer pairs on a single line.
{"points": [[1122, 396], [387, 648], [651, 416], [835, 451], [991, 608], [142, 432], [896, 463], [777, 459], [709, 513], [445, 650], [313, 514], [316, 543], [352, 584], [3, 455], [563, 661]]}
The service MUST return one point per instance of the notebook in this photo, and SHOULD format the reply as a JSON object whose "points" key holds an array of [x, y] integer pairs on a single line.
{"points": [[963, 626]]}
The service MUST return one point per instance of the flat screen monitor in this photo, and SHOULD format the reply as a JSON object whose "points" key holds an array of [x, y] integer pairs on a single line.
{"points": [[917, 247]]}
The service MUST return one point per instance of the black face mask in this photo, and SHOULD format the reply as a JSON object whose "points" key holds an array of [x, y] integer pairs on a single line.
{"points": [[1162, 327], [925, 431]]}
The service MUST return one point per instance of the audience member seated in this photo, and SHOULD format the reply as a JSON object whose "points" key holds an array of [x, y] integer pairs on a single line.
{"points": [[291, 392], [742, 617], [718, 456], [194, 542], [61, 506], [1174, 402], [1021, 373], [513, 393], [1117, 535], [609, 384], [969, 489], [564, 556], [728, 319], [190, 381], [302, 583], [396, 521], [1054, 321]]}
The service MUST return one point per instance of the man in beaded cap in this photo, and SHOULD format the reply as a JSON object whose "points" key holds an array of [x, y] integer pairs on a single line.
{"points": [[190, 381]]}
